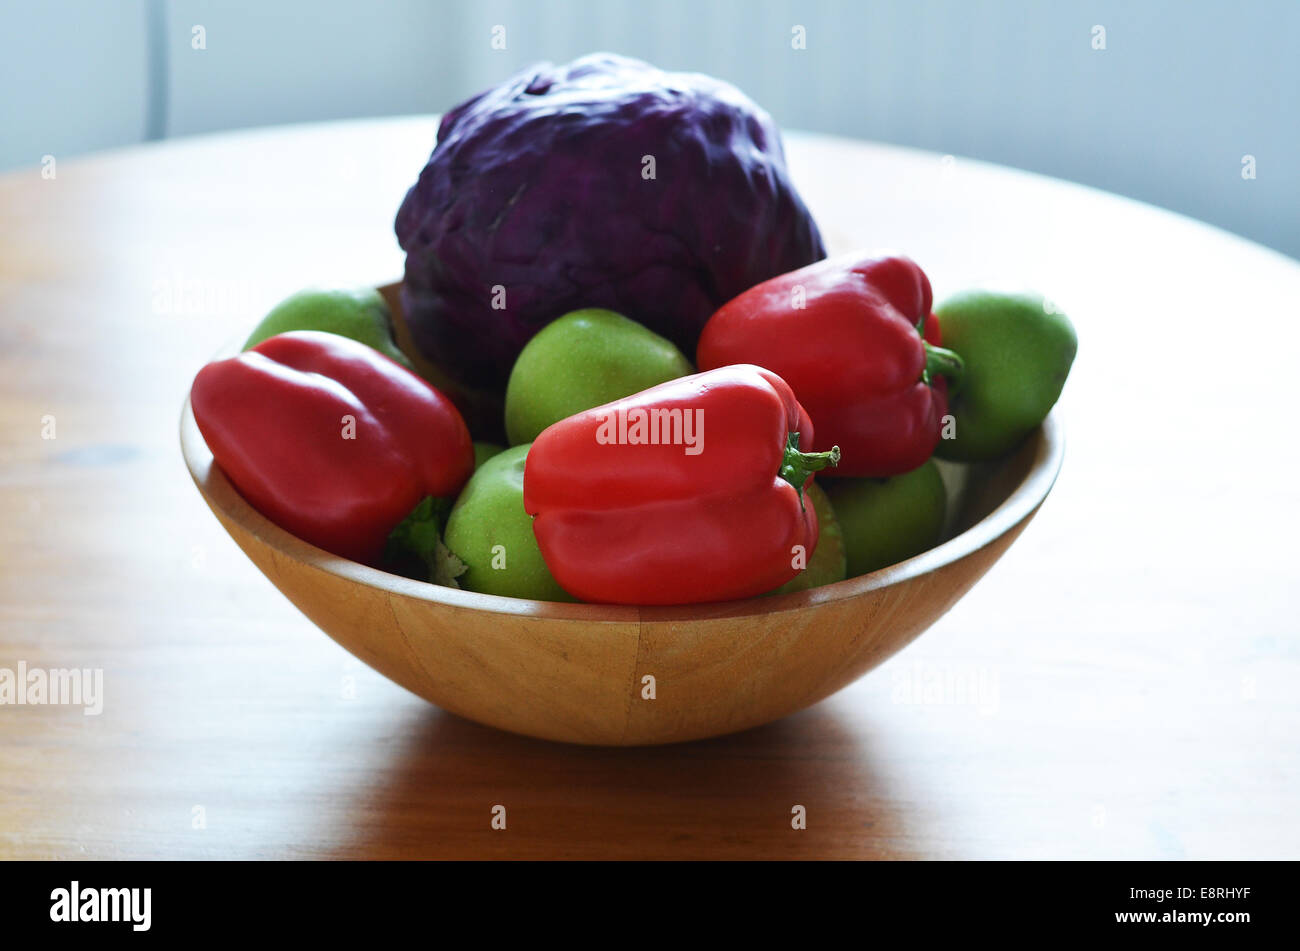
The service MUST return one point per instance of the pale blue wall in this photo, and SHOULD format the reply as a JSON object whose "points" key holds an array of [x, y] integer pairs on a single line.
{"points": [[73, 77], [1184, 89]]}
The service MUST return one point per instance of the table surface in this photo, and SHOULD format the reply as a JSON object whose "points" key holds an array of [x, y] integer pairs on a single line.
{"points": [[1120, 685]]}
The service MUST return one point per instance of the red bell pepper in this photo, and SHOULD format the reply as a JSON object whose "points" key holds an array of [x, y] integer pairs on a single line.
{"points": [[846, 334], [688, 491], [330, 439]]}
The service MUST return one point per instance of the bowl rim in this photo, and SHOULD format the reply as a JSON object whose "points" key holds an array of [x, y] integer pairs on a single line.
{"points": [[1019, 505]]}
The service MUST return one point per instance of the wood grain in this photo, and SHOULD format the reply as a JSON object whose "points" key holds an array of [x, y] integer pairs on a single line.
{"points": [[1120, 685]]}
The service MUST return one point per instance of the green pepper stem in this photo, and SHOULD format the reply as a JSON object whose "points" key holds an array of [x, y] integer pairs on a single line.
{"points": [[797, 466], [944, 362]]}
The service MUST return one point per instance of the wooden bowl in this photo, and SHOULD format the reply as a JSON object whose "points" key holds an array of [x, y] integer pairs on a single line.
{"points": [[576, 672]]}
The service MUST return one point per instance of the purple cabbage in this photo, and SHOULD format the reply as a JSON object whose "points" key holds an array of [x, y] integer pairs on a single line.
{"points": [[537, 187]]}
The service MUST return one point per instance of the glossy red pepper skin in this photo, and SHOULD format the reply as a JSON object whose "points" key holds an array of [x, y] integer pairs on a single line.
{"points": [[276, 418], [851, 352], [625, 523]]}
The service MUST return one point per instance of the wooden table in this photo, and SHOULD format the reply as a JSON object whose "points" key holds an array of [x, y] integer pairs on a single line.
{"points": [[1121, 685]]}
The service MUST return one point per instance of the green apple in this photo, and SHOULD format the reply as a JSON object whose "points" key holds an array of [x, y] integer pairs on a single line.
{"points": [[360, 314], [483, 451], [1018, 350], [491, 533], [885, 521], [585, 358]]}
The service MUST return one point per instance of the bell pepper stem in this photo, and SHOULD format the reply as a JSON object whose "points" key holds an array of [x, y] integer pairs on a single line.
{"points": [[796, 466], [944, 362]]}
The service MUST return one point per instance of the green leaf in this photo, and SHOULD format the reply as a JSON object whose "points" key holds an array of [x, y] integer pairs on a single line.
{"points": [[415, 547], [447, 567]]}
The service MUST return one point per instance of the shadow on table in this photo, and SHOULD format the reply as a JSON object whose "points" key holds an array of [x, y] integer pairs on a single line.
{"points": [[731, 797]]}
